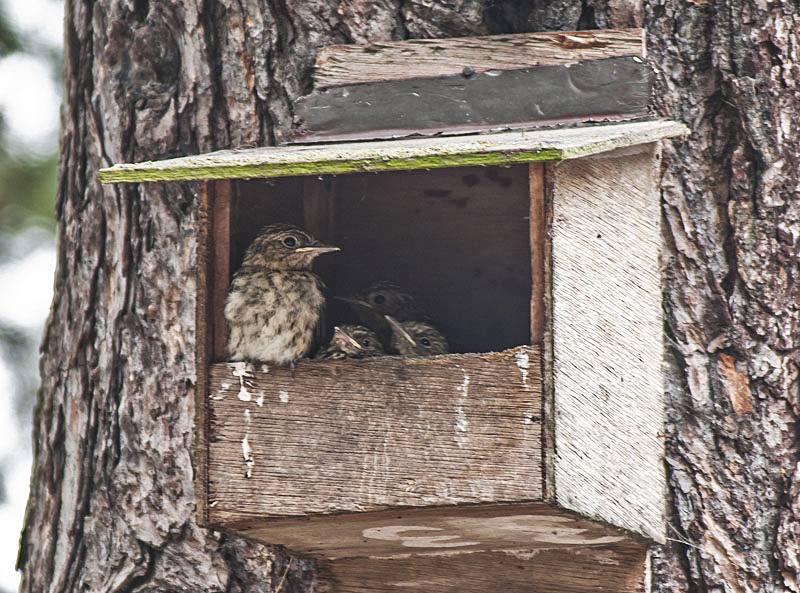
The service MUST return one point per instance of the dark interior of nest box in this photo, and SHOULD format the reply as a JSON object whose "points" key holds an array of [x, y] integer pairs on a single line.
{"points": [[458, 239]]}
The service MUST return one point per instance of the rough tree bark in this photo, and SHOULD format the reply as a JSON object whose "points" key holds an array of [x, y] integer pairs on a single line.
{"points": [[112, 503]]}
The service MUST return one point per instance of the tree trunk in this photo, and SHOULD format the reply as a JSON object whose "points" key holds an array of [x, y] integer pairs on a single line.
{"points": [[112, 504]]}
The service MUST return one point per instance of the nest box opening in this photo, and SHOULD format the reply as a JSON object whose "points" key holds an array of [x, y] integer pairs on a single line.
{"points": [[457, 239]]}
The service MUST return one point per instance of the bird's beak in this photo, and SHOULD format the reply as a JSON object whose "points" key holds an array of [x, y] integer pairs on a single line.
{"points": [[317, 250], [353, 301], [399, 329], [341, 337]]}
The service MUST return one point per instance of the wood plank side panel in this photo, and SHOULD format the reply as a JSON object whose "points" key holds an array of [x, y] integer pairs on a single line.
{"points": [[337, 436], [220, 246], [548, 396], [204, 321], [608, 340], [537, 234], [352, 64]]}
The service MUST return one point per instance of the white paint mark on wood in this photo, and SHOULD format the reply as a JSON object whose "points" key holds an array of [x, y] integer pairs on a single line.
{"points": [[260, 398], [213, 503], [247, 416], [395, 533], [247, 454], [462, 424], [528, 417], [242, 371], [461, 420], [523, 362], [283, 396], [548, 529], [264, 368], [224, 386]]}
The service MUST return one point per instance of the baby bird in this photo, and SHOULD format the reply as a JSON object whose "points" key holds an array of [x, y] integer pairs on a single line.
{"points": [[275, 300], [351, 341], [416, 338], [383, 298]]}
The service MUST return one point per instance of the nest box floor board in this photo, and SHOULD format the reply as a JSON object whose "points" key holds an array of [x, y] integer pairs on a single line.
{"points": [[515, 548]]}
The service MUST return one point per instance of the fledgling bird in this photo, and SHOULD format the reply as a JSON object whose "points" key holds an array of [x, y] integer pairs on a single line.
{"points": [[384, 298], [275, 301], [416, 338], [371, 304], [351, 341]]}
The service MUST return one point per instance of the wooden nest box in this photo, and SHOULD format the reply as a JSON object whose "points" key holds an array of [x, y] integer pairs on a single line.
{"points": [[531, 459]]}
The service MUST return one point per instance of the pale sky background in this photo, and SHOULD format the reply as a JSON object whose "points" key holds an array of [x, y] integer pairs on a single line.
{"points": [[29, 100]]}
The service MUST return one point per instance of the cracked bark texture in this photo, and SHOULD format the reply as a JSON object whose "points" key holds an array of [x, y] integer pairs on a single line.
{"points": [[112, 505]]}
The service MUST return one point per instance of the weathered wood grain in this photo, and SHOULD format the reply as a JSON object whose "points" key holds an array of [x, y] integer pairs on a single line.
{"points": [[538, 235], [607, 340], [205, 340], [501, 148], [472, 549], [612, 568], [612, 89], [334, 436], [220, 243], [351, 64]]}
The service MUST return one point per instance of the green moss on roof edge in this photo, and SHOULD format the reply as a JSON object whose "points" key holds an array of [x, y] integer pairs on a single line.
{"points": [[162, 171]]}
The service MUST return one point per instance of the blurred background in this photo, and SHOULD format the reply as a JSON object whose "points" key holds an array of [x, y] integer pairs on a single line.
{"points": [[31, 33]]}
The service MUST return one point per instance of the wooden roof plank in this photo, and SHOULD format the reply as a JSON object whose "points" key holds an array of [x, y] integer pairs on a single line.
{"points": [[352, 64], [501, 148], [610, 89]]}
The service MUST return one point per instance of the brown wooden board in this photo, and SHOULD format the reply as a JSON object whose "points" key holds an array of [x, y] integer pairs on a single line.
{"points": [[335, 436], [612, 89], [349, 64], [470, 549], [608, 350]]}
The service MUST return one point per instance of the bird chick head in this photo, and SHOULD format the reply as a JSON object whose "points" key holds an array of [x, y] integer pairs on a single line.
{"points": [[356, 340], [385, 298], [285, 247], [416, 338]]}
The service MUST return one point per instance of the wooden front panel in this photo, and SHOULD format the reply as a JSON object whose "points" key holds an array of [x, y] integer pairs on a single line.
{"points": [[338, 436]]}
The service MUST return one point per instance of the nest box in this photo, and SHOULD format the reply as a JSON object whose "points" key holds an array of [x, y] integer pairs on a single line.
{"points": [[532, 458]]}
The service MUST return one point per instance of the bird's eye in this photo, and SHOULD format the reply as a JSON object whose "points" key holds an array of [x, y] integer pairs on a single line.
{"points": [[290, 241], [425, 342], [379, 299], [365, 343]]}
